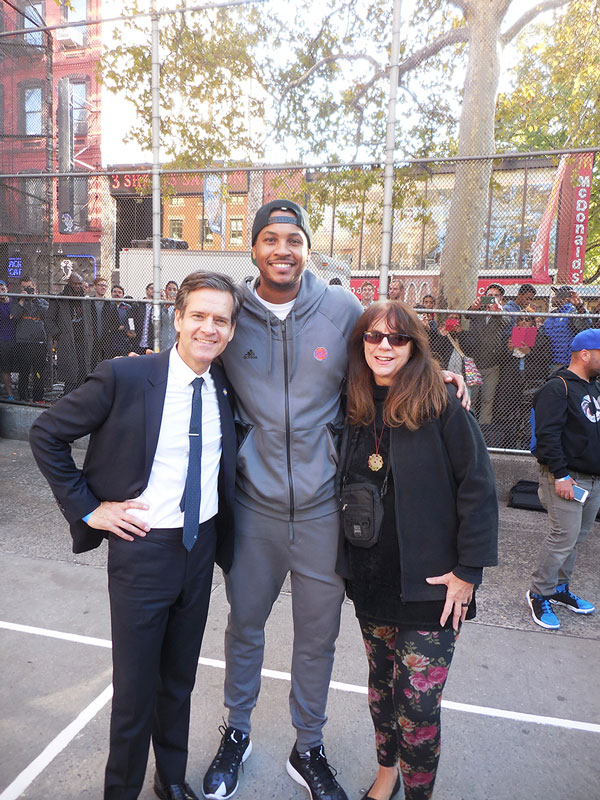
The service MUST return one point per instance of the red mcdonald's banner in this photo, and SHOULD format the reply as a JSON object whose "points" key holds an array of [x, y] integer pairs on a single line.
{"points": [[579, 227]]}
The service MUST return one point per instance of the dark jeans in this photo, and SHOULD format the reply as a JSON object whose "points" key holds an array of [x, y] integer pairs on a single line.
{"points": [[31, 359]]}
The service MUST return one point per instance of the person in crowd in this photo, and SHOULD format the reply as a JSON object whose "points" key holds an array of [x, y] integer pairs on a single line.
{"points": [[485, 343], [100, 310], [120, 325], [144, 323], [167, 331], [428, 300], [7, 341], [367, 293], [70, 325], [567, 447], [561, 330], [287, 364], [30, 314], [396, 288], [524, 298], [413, 582], [158, 483], [522, 372]]}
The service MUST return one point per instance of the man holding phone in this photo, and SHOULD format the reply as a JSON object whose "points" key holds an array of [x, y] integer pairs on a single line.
{"points": [[567, 447], [484, 342]]}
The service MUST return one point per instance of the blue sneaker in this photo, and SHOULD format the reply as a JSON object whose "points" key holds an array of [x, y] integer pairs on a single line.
{"points": [[541, 611], [563, 597]]}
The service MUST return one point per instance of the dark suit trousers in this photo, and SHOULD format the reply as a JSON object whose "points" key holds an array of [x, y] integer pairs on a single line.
{"points": [[159, 596]]}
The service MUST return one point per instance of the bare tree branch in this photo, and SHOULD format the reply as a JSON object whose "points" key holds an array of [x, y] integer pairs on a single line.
{"points": [[454, 36], [528, 16], [317, 66], [365, 88]]}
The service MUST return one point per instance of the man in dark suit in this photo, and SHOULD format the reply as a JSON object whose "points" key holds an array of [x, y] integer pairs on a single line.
{"points": [[144, 323], [162, 440]]}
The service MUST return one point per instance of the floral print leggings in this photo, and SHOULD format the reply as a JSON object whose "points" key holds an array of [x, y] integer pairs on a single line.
{"points": [[407, 673]]}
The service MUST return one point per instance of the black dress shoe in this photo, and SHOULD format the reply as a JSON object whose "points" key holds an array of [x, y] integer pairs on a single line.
{"points": [[395, 790], [176, 791]]}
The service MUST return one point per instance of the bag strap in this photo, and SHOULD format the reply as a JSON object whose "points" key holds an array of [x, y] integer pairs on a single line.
{"points": [[565, 383], [456, 346], [348, 457]]}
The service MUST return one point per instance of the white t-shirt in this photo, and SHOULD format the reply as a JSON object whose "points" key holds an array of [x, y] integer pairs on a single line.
{"points": [[281, 310]]}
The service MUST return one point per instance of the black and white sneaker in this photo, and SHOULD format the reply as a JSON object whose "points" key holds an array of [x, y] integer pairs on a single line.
{"points": [[221, 779], [312, 771]]}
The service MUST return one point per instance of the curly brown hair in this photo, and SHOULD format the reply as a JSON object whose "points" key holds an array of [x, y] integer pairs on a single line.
{"points": [[417, 392]]}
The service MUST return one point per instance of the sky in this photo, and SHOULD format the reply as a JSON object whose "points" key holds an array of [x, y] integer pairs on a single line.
{"points": [[119, 116]]}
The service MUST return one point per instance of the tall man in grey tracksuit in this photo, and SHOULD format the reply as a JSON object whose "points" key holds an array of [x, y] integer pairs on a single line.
{"points": [[287, 363]]}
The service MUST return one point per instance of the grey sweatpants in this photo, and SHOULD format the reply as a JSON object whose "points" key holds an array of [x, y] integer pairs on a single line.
{"points": [[266, 549], [570, 524]]}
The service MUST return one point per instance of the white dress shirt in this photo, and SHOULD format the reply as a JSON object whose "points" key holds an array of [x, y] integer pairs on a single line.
{"points": [[169, 468]]}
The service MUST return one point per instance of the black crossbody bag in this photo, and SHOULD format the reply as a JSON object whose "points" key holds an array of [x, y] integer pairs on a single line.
{"points": [[361, 506]]}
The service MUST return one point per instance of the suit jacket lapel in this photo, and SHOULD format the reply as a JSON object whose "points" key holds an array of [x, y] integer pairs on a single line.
{"points": [[156, 387], [227, 425]]}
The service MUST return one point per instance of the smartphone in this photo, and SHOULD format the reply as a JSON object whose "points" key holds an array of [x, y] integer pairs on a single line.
{"points": [[486, 300], [579, 494]]}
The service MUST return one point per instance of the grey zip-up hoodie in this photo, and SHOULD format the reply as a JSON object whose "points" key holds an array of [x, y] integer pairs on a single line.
{"points": [[288, 377]]}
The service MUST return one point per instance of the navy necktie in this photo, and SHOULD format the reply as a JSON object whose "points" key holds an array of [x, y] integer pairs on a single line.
{"points": [[190, 502]]}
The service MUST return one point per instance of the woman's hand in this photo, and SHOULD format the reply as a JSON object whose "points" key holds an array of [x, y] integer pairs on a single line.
{"points": [[459, 594], [459, 382]]}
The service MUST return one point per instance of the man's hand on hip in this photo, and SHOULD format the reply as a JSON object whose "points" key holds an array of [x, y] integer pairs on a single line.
{"points": [[113, 517]]}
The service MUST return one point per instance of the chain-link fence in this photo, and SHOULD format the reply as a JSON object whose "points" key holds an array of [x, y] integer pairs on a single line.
{"points": [[77, 263]]}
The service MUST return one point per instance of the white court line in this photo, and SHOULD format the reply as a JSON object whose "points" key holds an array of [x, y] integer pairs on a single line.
{"points": [[466, 708], [49, 753], [68, 637], [62, 740]]}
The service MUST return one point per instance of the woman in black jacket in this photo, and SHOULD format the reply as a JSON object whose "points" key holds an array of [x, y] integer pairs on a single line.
{"points": [[411, 439]]}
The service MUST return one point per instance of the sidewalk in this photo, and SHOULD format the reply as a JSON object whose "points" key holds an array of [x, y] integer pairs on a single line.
{"points": [[521, 710]]}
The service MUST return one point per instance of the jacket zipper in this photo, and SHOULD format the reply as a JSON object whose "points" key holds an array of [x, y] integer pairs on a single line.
{"points": [[402, 563], [288, 435]]}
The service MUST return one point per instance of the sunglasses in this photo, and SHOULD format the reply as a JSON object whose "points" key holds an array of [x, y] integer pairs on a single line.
{"points": [[395, 339]]}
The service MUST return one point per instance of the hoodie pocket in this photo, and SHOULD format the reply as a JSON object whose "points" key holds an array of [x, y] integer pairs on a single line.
{"points": [[242, 431]]}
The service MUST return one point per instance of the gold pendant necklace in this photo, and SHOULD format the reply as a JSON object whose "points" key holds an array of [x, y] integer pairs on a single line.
{"points": [[375, 459]]}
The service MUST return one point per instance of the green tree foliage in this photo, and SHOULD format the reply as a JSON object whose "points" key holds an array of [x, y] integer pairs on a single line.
{"points": [[555, 102], [208, 67], [314, 76]]}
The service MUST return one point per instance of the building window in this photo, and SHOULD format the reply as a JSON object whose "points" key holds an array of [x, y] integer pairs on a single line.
{"points": [[80, 203], [32, 110], [34, 19], [178, 201], [77, 12], [176, 228], [33, 205], [235, 231], [206, 235], [79, 100]]}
